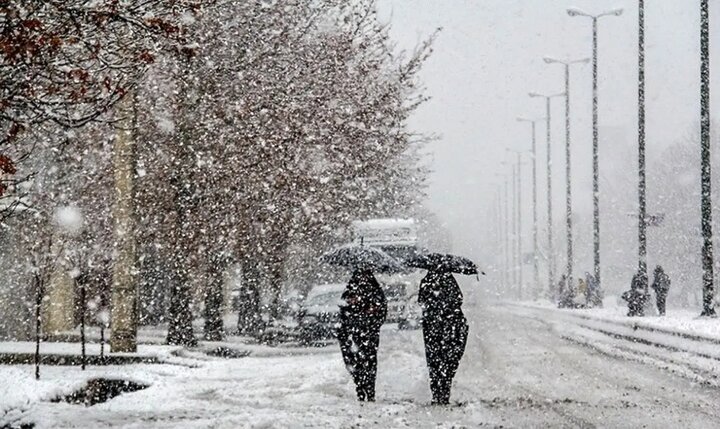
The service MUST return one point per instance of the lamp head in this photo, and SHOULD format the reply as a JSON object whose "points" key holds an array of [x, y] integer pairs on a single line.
{"points": [[576, 12], [617, 12], [534, 94]]}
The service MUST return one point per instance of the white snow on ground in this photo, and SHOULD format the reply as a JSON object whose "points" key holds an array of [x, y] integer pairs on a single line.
{"points": [[310, 388], [523, 367]]}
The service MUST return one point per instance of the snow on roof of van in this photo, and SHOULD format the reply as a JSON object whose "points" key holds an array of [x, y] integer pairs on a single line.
{"points": [[323, 289], [381, 223]]}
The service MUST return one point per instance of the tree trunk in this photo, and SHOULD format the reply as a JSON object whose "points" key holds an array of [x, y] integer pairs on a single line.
{"points": [[180, 330], [249, 300], [124, 288], [213, 329], [275, 273]]}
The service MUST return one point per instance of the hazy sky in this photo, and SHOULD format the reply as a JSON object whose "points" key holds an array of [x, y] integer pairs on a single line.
{"points": [[489, 56]]}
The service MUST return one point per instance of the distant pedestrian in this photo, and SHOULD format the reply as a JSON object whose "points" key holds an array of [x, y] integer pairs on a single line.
{"points": [[580, 299], [593, 290], [566, 293], [637, 295], [361, 316], [445, 330], [661, 285]]}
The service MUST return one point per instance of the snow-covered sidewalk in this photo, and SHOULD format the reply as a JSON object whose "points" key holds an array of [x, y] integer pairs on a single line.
{"points": [[684, 322], [680, 342], [523, 367], [294, 387]]}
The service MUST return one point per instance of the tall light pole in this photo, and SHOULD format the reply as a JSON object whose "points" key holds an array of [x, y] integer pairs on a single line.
{"points": [[548, 128], [568, 181], [515, 226], [507, 232], [536, 269], [499, 237], [642, 225], [517, 169], [706, 200], [503, 228], [596, 187]]}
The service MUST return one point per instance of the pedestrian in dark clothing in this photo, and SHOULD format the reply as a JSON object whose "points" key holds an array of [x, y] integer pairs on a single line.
{"points": [[361, 316], [661, 285], [566, 293], [445, 331], [594, 293], [637, 295]]}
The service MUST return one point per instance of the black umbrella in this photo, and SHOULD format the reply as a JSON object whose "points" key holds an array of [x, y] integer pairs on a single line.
{"points": [[443, 262], [362, 257]]}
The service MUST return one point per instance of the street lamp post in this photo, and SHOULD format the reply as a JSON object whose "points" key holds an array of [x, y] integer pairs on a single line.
{"points": [[515, 228], [706, 197], [596, 187], [500, 236], [642, 225], [507, 233], [503, 228], [568, 182], [517, 176], [548, 128], [536, 269], [519, 229]]}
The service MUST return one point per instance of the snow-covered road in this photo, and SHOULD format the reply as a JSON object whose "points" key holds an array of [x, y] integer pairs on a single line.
{"points": [[518, 371]]}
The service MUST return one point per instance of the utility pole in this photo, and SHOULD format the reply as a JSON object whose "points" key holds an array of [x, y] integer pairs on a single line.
{"points": [[536, 269], [515, 234], [706, 196], [507, 233], [596, 175], [519, 228], [642, 225], [548, 141], [568, 164]]}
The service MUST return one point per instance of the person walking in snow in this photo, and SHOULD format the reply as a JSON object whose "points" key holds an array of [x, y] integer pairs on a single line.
{"points": [[361, 316], [566, 293], [580, 300], [445, 330], [594, 293], [661, 285], [636, 296]]}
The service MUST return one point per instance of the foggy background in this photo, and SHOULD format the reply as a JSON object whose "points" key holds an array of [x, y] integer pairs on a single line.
{"points": [[487, 58]]}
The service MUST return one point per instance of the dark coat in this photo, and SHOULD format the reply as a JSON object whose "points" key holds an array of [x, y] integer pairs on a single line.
{"points": [[440, 295], [364, 301], [636, 296], [445, 330], [661, 282], [361, 316]]}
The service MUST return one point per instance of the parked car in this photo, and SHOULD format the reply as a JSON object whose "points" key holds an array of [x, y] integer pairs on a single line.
{"points": [[319, 314], [411, 314]]}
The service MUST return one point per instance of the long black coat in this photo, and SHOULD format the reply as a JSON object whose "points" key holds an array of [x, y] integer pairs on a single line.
{"points": [[364, 302], [361, 316], [661, 283], [445, 330]]}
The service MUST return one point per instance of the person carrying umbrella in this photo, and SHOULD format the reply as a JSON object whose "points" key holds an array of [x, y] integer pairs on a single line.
{"points": [[445, 328], [361, 316], [362, 313]]}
